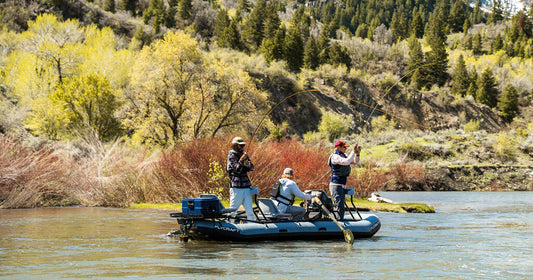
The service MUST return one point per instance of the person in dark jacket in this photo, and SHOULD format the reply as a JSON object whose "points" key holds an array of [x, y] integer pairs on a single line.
{"points": [[238, 165], [340, 170]]}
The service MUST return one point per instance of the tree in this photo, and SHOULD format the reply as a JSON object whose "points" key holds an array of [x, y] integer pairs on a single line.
{"points": [[415, 63], [508, 103], [311, 52], [109, 5], [231, 38], [417, 25], [222, 21], [477, 45], [294, 47], [461, 81], [224, 99], [437, 57], [130, 6], [339, 55], [333, 126], [472, 88], [487, 93], [162, 75], [253, 29], [184, 9], [457, 16]]}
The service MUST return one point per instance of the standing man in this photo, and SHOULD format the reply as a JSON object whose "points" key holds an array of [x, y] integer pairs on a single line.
{"points": [[340, 170], [238, 165]]}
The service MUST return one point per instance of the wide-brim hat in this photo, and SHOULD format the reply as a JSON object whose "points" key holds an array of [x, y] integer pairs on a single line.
{"points": [[238, 140]]}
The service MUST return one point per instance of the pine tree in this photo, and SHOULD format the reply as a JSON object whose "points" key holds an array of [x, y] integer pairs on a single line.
{"points": [[508, 103], [130, 6], [497, 44], [437, 57], [253, 29], [339, 55], [109, 5], [416, 56], [311, 52], [487, 93], [294, 49], [496, 14], [221, 22], [457, 16], [243, 7], [472, 88], [461, 82], [184, 9], [231, 37], [278, 49], [417, 25], [477, 44]]}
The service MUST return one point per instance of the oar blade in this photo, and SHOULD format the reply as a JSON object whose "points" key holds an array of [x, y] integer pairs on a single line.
{"points": [[348, 236]]}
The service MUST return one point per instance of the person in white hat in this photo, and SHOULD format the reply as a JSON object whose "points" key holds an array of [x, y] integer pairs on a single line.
{"points": [[287, 191], [238, 165]]}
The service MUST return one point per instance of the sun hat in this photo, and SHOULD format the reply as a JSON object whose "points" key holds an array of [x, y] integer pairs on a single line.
{"points": [[238, 140]]}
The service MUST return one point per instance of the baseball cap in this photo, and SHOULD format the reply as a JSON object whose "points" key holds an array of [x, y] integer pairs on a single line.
{"points": [[341, 143], [238, 140], [288, 171]]}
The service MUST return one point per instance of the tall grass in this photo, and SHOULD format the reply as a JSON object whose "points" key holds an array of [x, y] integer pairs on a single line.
{"points": [[116, 175], [33, 177]]}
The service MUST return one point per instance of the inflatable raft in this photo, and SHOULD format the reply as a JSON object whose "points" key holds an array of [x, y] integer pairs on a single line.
{"points": [[205, 218]]}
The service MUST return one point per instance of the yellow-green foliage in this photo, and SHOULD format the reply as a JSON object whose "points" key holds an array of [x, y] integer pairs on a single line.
{"points": [[179, 92], [471, 126], [50, 55], [381, 124], [333, 126]]}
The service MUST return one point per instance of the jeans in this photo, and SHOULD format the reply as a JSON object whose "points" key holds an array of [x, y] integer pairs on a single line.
{"points": [[338, 194]]}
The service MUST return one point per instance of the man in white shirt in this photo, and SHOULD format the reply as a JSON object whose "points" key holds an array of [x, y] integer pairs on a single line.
{"points": [[340, 170], [285, 196]]}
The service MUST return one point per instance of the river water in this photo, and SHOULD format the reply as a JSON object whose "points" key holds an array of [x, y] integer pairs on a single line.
{"points": [[473, 235]]}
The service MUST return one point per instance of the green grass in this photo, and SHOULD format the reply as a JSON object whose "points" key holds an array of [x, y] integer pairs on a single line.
{"points": [[360, 203]]}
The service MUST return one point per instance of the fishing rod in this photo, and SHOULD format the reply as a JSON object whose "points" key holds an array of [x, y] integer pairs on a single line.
{"points": [[375, 108]]}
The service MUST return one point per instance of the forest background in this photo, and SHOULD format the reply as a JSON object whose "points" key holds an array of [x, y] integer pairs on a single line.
{"points": [[115, 102]]}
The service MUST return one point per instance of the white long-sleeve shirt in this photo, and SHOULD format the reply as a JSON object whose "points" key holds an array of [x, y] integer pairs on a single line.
{"points": [[288, 189], [351, 159]]}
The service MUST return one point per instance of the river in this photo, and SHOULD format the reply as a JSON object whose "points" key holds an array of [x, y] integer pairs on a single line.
{"points": [[473, 235]]}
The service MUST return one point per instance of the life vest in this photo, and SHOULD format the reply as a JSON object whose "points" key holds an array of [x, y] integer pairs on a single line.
{"points": [[338, 170], [275, 193]]}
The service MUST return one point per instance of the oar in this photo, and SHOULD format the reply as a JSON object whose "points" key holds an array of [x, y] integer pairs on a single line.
{"points": [[348, 235]]}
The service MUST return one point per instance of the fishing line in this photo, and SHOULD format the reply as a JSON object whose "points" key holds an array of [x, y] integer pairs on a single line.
{"points": [[375, 108]]}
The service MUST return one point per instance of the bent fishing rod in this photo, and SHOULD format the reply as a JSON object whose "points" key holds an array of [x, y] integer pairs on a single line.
{"points": [[375, 108]]}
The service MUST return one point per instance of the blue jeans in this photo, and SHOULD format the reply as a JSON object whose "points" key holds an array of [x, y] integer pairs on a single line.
{"points": [[338, 194]]}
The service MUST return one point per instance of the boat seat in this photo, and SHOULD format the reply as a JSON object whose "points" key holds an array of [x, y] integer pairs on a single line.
{"points": [[270, 210]]}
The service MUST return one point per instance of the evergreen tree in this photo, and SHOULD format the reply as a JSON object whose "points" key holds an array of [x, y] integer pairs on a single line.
{"points": [[231, 37], [156, 12], [294, 49], [339, 55], [243, 7], [461, 82], [457, 16], [415, 62], [272, 21], [417, 25], [472, 88], [508, 103], [496, 14], [109, 5], [311, 52], [437, 57], [221, 22], [497, 44], [476, 15], [252, 33], [477, 44], [184, 9], [487, 93], [278, 49], [130, 6]]}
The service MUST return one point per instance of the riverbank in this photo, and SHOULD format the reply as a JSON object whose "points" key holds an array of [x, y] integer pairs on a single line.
{"points": [[361, 204]]}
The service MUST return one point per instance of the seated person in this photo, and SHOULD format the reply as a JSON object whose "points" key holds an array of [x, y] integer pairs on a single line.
{"points": [[283, 194]]}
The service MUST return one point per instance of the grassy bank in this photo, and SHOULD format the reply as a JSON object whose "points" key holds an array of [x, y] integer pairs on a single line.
{"points": [[361, 204]]}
